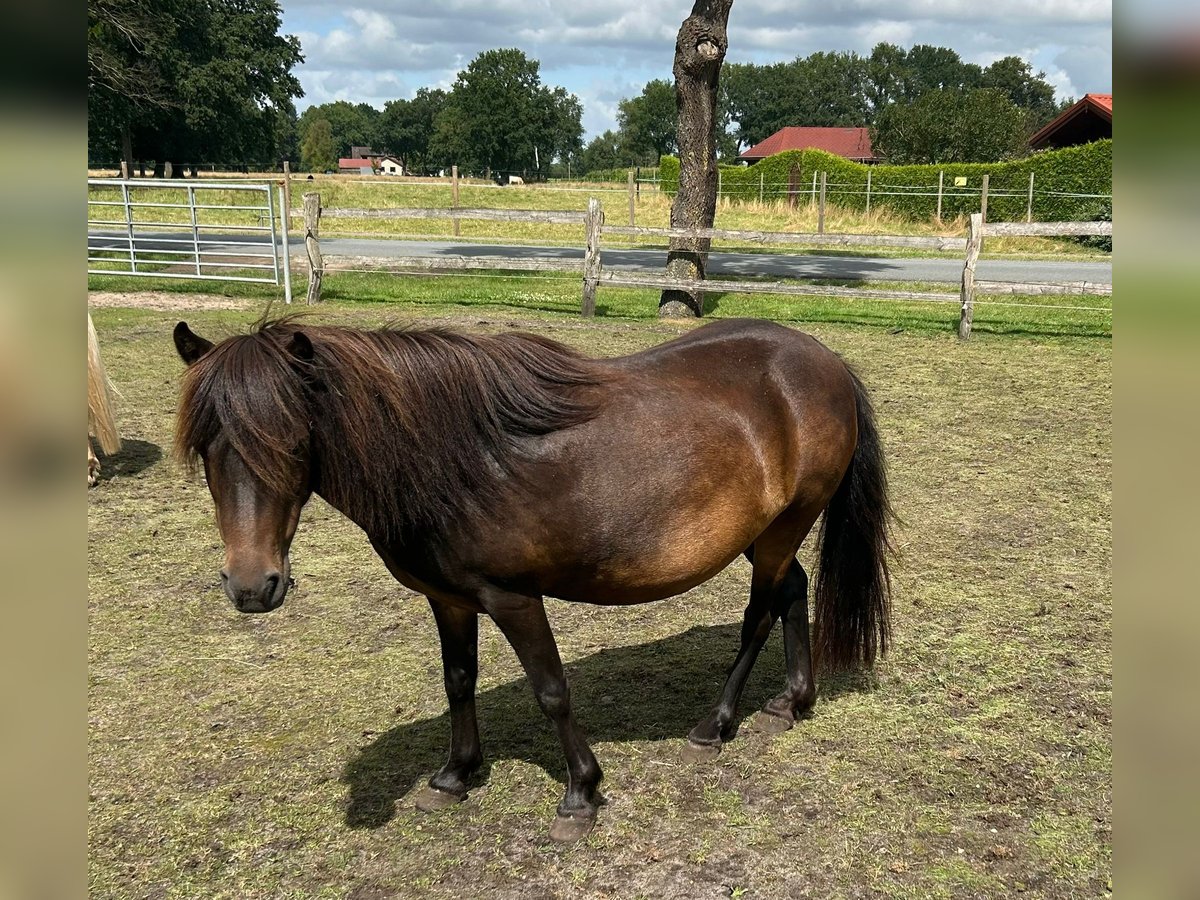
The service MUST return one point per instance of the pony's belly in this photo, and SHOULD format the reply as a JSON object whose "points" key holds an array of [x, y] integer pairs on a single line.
{"points": [[675, 561]]}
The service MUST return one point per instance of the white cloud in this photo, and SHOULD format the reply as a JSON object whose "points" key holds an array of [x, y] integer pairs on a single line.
{"points": [[597, 48]]}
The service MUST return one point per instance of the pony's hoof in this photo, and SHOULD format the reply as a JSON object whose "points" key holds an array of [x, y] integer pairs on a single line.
{"points": [[569, 829], [698, 753], [430, 799], [769, 723]]}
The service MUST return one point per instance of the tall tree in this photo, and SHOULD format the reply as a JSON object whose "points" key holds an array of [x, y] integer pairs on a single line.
{"points": [[1015, 78], [450, 144], [499, 116], [648, 121], [561, 128], [497, 95], [352, 124], [318, 152], [210, 79], [604, 151], [946, 126], [405, 127], [700, 49]]}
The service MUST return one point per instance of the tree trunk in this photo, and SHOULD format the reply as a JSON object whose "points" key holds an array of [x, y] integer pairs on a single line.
{"points": [[699, 51], [127, 151]]}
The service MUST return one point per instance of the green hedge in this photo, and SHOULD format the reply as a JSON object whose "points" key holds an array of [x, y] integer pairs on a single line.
{"points": [[1073, 170]]}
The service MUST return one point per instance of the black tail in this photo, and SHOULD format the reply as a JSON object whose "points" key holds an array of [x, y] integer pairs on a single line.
{"points": [[853, 593]]}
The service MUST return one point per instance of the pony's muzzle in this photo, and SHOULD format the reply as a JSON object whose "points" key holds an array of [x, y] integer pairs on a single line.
{"points": [[255, 594]]}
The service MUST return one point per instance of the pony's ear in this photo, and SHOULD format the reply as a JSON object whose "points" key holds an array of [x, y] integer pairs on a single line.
{"points": [[301, 347], [303, 355], [190, 345]]}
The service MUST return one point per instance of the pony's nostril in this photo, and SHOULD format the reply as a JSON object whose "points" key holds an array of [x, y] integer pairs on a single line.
{"points": [[272, 586]]}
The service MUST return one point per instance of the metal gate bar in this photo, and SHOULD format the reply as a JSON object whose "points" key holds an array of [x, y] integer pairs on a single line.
{"points": [[242, 251]]}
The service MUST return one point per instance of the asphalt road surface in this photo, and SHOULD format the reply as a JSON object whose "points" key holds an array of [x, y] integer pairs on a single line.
{"points": [[847, 267]]}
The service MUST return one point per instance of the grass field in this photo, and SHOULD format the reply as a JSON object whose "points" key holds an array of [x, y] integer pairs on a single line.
{"points": [[652, 208], [272, 756], [1048, 317]]}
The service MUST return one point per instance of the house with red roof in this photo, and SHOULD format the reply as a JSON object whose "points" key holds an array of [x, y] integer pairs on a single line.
{"points": [[1088, 120], [852, 143]]}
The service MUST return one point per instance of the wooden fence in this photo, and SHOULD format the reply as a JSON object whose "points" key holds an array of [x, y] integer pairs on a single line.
{"points": [[593, 274]]}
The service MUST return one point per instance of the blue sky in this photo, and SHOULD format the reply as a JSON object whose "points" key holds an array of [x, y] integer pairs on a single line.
{"points": [[377, 50]]}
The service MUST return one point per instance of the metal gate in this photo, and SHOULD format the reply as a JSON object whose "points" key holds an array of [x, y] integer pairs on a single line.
{"points": [[212, 231]]}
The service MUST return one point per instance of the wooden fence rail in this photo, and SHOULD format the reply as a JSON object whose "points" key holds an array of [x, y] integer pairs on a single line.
{"points": [[591, 265]]}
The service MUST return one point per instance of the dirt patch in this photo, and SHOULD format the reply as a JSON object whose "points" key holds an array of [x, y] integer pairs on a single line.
{"points": [[167, 302]]}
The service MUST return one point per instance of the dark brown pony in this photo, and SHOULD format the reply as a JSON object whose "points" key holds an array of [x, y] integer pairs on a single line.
{"points": [[492, 471]]}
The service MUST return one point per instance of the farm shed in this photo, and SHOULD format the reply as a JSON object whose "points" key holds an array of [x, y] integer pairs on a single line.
{"points": [[356, 165], [851, 143], [1088, 120]]}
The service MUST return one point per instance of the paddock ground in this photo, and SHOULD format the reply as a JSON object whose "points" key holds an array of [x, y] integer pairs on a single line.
{"points": [[275, 756]]}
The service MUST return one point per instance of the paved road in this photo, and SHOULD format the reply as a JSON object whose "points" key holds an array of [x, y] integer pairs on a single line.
{"points": [[853, 268]]}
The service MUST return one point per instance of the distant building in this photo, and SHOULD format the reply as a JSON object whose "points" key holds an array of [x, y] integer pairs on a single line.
{"points": [[389, 165], [355, 165], [851, 143], [1088, 120], [363, 153]]}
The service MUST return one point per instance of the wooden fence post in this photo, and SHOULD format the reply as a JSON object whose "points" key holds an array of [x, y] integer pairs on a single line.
{"points": [[631, 198], [821, 207], [593, 223], [983, 198], [1029, 205], [793, 185], [454, 200], [941, 179], [316, 265], [974, 244], [868, 190], [287, 190]]}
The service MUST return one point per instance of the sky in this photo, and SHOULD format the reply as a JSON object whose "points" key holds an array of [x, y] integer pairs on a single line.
{"points": [[378, 50]]}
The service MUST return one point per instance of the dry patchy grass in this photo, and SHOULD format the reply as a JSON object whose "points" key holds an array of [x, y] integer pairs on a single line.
{"points": [[272, 756]]}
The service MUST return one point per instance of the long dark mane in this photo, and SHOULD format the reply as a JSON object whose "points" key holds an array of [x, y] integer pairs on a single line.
{"points": [[407, 429]]}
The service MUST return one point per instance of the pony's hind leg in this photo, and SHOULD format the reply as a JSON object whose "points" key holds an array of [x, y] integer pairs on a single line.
{"points": [[791, 604], [704, 741], [778, 589]]}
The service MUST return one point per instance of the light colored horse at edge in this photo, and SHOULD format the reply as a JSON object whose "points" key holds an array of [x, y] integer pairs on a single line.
{"points": [[101, 422]]}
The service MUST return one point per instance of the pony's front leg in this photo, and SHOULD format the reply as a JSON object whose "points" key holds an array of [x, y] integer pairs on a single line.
{"points": [[459, 633], [523, 622]]}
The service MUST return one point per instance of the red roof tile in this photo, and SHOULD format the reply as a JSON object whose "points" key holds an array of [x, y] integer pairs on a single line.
{"points": [[353, 162], [852, 143]]}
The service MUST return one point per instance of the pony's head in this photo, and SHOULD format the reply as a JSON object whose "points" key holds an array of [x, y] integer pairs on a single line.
{"points": [[244, 414]]}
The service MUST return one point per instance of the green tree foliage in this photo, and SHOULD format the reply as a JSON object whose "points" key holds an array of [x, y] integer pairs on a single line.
{"points": [[845, 89], [450, 143], [406, 127], [190, 80], [951, 125], [647, 122], [605, 151], [1014, 78], [500, 117], [318, 152], [352, 124]]}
